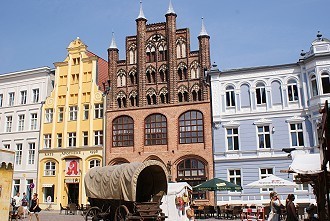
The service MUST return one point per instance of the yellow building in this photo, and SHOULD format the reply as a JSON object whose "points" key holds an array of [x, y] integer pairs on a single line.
{"points": [[71, 137]]}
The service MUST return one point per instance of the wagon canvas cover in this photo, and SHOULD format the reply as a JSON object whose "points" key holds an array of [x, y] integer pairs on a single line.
{"points": [[120, 181]]}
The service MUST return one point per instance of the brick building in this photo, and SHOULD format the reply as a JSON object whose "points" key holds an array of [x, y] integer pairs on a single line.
{"points": [[159, 106]]}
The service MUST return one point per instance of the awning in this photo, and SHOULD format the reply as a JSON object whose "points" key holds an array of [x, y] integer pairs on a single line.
{"points": [[47, 185], [306, 163]]}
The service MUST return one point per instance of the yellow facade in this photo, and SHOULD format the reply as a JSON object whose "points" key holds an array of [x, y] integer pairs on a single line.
{"points": [[6, 173], [71, 138]]}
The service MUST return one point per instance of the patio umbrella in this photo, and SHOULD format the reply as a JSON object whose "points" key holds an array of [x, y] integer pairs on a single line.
{"points": [[217, 184], [271, 181]]}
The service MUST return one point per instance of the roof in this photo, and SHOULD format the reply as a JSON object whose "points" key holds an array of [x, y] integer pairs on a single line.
{"points": [[305, 163], [102, 69]]}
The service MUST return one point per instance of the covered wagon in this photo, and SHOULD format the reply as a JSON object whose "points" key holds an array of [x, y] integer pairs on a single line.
{"points": [[130, 191]]}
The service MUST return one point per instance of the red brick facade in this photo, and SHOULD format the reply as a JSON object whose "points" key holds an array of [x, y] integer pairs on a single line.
{"points": [[154, 79]]}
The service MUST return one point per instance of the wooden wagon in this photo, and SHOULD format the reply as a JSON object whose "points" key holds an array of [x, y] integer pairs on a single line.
{"points": [[130, 191]]}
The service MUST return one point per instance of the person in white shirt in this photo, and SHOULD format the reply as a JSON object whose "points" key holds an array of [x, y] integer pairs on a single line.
{"points": [[17, 199]]}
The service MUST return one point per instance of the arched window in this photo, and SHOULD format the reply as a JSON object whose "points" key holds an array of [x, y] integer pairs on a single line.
{"points": [[122, 131], [155, 130], [314, 85], [245, 95], [94, 163], [151, 99], [183, 96], [192, 171], [276, 92], [121, 100], [132, 54], [163, 94], [121, 79], [292, 91], [230, 96], [261, 93], [325, 78], [194, 70], [196, 93], [151, 53], [50, 168], [178, 50], [151, 75], [162, 53], [183, 50], [133, 78], [191, 127], [133, 99], [163, 74]]}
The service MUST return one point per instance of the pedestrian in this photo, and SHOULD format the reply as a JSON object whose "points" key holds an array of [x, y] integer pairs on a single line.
{"points": [[275, 207], [191, 213], [18, 200], [34, 208], [25, 204], [291, 214]]}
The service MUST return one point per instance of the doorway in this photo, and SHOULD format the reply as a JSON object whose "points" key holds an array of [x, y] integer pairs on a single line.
{"points": [[73, 193]]}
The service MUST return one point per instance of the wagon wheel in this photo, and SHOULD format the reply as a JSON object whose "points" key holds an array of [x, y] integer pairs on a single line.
{"points": [[121, 213], [92, 214]]}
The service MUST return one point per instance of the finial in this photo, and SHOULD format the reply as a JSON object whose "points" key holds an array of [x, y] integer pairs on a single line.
{"points": [[78, 38], [203, 30], [141, 15], [113, 42], [302, 54], [170, 9], [319, 34]]}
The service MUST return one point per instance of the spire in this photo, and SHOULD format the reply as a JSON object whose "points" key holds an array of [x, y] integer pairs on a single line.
{"points": [[203, 30], [141, 15], [113, 44], [170, 9]]}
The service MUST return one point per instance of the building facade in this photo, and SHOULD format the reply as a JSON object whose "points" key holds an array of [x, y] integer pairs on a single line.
{"points": [[22, 95], [259, 111], [158, 106], [71, 138]]}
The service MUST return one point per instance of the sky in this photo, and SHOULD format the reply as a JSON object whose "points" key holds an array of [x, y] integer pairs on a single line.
{"points": [[243, 33]]}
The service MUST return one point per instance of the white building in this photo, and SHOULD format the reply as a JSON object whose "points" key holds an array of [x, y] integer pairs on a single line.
{"points": [[258, 111], [22, 95]]}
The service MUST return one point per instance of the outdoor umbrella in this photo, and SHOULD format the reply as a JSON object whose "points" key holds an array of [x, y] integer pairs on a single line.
{"points": [[217, 184], [271, 181]]}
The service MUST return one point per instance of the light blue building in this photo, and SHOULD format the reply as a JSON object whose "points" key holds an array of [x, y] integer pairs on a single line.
{"points": [[258, 111]]}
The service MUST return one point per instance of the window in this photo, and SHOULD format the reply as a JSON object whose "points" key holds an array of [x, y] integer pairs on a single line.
{"points": [[94, 163], [264, 137], [123, 131], [11, 98], [72, 139], [234, 176], [35, 95], [34, 119], [6, 146], [48, 191], [73, 112], [98, 111], [261, 93], [314, 86], [49, 115], [292, 91], [232, 139], [191, 129], [21, 119], [47, 141], [1, 99], [230, 96], [300, 187], [297, 135], [98, 137], [155, 130], [86, 111], [50, 169], [193, 172], [325, 79], [9, 123], [85, 138], [23, 97], [59, 140], [18, 154], [60, 114], [265, 172], [32, 152], [16, 188]]}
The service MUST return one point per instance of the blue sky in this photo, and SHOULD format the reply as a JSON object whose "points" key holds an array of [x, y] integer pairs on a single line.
{"points": [[244, 33]]}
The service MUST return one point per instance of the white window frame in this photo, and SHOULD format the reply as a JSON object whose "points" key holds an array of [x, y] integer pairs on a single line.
{"points": [[59, 140], [34, 121], [49, 115], [35, 95], [47, 141], [21, 122], [6, 146], [98, 137], [230, 97], [264, 133], [98, 113], [85, 136], [86, 112], [11, 100], [18, 154], [314, 87], [325, 75], [262, 90], [235, 176], [16, 186], [94, 163], [23, 97], [72, 139], [9, 124], [32, 153], [73, 112], [60, 114], [50, 169], [264, 175], [293, 87], [232, 137], [297, 131]]}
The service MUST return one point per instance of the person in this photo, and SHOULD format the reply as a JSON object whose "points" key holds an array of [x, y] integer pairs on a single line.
{"points": [[25, 205], [275, 207], [190, 213], [34, 208], [291, 214], [18, 200]]}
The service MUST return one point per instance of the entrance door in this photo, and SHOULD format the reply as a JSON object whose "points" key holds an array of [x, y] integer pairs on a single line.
{"points": [[73, 193]]}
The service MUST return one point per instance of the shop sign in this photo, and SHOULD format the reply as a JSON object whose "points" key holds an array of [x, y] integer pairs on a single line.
{"points": [[72, 167], [73, 180]]}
